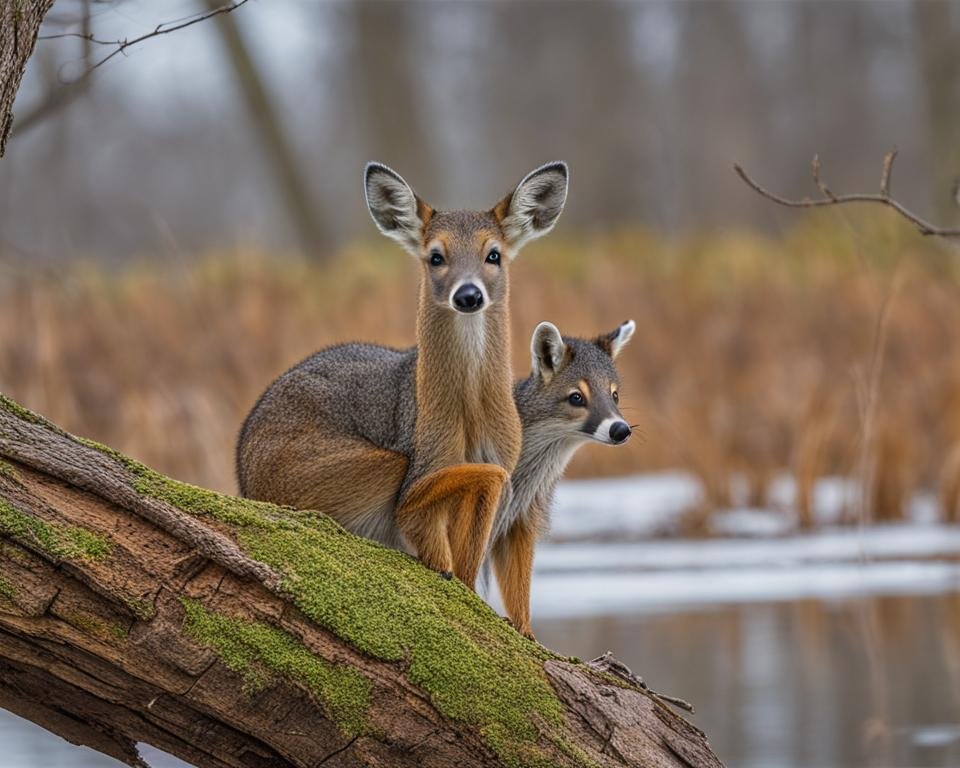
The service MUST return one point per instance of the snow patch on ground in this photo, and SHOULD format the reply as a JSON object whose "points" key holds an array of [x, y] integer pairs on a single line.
{"points": [[639, 506], [599, 594], [881, 542], [654, 505]]}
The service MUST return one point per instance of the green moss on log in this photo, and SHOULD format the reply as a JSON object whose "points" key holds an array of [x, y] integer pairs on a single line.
{"points": [[113, 633], [475, 667], [19, 411], [61, 542], [139, 607], [575, 752], [260, 652], [8, 471], [7, 590]]}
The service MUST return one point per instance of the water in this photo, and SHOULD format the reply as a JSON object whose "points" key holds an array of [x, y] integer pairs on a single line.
{"points": [[802, 683], [808, 683]]}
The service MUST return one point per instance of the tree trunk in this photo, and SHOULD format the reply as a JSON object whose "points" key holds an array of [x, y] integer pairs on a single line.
{"points": [[937, 40], [267, 123], [19, 24], [134, 608]]}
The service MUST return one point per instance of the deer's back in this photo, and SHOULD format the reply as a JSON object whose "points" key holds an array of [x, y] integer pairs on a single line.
{"points": [[354, 391]]}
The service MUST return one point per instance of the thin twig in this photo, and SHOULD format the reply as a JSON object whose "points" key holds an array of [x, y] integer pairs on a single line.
{"points": [[161, 29], [89, 37], [613, 666], [815, 167], [829, 198], [887, 168]]}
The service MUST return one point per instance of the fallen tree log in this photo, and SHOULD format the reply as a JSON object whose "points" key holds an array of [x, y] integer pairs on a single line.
{"points": [[134, 608]]}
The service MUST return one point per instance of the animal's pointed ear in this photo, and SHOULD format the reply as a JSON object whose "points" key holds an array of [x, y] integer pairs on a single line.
{"points": [[617, 339], [547, 351], [395, 208], [534, 206]]}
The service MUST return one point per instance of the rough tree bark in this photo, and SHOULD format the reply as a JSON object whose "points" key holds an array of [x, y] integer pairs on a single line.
{"points": [[19, 24], [229, 633]]}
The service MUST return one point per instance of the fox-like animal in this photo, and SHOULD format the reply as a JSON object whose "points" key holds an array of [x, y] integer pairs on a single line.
{"points": [[413, 448], [571, 397]]}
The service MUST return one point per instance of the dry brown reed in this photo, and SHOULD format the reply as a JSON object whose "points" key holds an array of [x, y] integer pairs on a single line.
{"points": [[747, 361]]}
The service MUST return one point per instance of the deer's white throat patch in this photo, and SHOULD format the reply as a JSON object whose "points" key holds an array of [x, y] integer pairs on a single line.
{"points": [[472, 332]]}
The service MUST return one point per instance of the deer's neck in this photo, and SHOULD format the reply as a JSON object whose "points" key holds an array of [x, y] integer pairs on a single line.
{"points": [[465, 406]]}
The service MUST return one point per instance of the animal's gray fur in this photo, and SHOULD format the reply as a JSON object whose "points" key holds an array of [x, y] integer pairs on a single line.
{"points": [[367, 390]]}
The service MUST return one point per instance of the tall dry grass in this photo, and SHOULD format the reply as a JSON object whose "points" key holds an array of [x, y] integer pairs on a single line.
{"points": [[751, 355]]}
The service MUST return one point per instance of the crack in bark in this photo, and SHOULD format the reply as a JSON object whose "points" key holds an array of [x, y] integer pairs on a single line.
{"points": [[194, 684], [336, 752]]}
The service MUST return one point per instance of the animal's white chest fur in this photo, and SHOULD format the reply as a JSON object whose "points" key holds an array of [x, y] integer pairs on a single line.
{"points": [[542, 463], [471, 332]]}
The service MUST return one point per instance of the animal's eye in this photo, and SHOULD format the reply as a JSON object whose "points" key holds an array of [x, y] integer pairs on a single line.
{"points": [[493, 257], [616, 396], [576, 399], [436, 259]]}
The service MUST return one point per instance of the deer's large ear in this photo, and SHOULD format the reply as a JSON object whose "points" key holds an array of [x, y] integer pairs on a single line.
{"points": [[534, 206], [547, 351], [395, 208], [617, 339]]}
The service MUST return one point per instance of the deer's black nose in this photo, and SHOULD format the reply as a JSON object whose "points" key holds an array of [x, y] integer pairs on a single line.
{"points": [[468, 298], [619, 431]]}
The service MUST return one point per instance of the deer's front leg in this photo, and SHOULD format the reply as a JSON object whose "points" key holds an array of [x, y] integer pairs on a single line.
{"points": [[472, 522], [513, 565], [447, 516]]}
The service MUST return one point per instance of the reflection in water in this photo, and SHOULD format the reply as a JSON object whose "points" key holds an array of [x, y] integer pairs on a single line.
{"points": [[775, 684], [797, 684]]}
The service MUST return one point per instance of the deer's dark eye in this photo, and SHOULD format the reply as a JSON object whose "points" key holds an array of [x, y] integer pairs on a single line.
{"points": [[576, 399], [493, 257], [436, 259]]}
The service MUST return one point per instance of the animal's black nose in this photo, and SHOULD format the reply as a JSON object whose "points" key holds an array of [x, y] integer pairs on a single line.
{"points": [[468, 298], [619, 431]]}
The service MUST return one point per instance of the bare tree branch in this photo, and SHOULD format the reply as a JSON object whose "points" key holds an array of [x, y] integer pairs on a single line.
{"points": [[829, 198], [70, 91], [164, 28]]}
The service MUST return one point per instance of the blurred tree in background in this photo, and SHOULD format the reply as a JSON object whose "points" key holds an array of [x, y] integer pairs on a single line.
{"points": [[649, 102], [203, 158], [939, 44]]}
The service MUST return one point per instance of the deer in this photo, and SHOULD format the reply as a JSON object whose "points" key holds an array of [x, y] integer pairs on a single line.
{"points": [[413, 448]]}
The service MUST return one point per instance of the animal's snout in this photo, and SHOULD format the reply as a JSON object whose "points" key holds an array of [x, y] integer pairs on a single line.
{"points": [[619, 431], [468, 298]]}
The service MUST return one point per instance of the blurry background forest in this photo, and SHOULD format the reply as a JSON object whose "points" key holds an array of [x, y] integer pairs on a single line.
{"points": [[188, 221]]}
